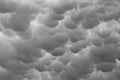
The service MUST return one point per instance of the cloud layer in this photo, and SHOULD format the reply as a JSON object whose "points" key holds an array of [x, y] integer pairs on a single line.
{"points": [[59, 40]]}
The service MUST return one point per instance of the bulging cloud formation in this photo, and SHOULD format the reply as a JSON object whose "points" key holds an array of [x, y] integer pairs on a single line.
{"points": [[59, 40]]}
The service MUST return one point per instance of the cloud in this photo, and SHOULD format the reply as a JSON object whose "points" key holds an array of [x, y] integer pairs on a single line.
{"points": [[58, 40], [7, 6]]}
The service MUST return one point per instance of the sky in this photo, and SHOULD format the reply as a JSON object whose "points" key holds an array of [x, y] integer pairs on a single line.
{"points": [[59, 40]]}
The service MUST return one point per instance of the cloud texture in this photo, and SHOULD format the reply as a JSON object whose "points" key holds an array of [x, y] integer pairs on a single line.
{"points": [[59, 40]]}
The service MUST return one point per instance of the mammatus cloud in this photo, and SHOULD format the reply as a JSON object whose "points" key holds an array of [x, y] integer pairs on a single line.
{"points": [[59, 40]]}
